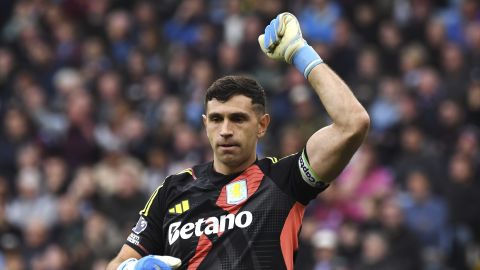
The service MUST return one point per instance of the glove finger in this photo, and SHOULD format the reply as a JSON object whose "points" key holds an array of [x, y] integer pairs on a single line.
{"points": [[290, 19], [151, 263], [261, 42], [275, 25], [266, 40], [173, 262], [281, 24], [270, 37]]}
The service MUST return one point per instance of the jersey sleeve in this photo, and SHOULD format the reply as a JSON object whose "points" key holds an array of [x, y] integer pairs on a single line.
{"points": [[146, 237], [295, 177]]}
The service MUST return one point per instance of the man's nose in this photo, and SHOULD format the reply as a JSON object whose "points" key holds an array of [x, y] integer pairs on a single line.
{"points": [[226, 129]]}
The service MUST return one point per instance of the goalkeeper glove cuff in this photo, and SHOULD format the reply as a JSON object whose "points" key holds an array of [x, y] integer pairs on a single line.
{"points": [[151, 262], [128, 264], [305, 59]]}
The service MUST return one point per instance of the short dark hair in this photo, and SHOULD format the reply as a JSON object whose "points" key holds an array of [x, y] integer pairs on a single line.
{"points": [[226, 87]]}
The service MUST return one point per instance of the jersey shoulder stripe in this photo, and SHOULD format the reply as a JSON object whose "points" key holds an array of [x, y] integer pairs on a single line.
{"points": [[189, 171], [175, 177], [288, 156], [273, 159], [146, 209]]}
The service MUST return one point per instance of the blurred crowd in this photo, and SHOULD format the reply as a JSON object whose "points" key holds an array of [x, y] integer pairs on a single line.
{"points": [[100, 100]]}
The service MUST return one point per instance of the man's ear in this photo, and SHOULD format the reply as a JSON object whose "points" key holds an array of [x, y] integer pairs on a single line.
{"points": [[263, 123]]}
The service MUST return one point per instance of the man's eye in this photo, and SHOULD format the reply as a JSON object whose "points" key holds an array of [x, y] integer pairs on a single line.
{"points": [[215, 119], [238, 119]]}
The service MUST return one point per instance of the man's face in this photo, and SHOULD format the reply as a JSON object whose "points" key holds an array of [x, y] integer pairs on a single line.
{"points": [[233, 128]]}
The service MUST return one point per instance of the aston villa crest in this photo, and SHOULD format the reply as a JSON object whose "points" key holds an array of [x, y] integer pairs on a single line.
{"points": [[237, 192]]}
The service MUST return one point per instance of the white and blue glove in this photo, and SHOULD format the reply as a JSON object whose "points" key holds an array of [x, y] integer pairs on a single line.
{"points": [[283, 40], [151, 262]]}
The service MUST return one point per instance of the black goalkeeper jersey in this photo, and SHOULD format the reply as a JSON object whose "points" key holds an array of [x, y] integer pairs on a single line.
{"points": [[249, 220]]}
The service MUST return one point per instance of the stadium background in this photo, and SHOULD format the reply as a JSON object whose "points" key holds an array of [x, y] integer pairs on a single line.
{"points": [[101, 99]]}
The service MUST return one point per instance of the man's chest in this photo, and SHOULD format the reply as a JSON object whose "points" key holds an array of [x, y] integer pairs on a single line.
{"points": [[246, 209]]}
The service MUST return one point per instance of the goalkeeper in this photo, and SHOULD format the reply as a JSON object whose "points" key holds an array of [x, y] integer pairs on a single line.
{"points": [[238, 211]]}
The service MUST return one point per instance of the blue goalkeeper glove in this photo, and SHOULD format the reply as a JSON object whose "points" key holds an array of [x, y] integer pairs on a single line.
{"points": [[283, 40], [151, 262]]}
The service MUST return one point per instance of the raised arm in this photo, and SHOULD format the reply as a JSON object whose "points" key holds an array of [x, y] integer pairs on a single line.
{"points": [[330, 148]]}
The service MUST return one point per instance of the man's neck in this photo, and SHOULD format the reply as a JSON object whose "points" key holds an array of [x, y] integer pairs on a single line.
{"points": [[227, 170]]}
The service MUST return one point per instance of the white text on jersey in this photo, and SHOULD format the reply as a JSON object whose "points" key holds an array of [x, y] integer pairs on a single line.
{"points": [[212, 225]]}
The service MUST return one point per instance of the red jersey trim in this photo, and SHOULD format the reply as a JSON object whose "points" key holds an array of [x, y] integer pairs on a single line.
{"points": [[289, 235], [203, 247], [253, 176]]}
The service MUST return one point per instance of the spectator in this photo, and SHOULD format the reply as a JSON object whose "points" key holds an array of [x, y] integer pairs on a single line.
{"points": [[11, 237], [184, 27], [325, 243], [329, 210], [318, 19], [157, 168], [31, 204], [56, 175], [404, 244], [120, 206], [14, 261], [17, 131], [37, 238], [305, 256], [7, 66], [390, 40], [454, 72], [436, 41], [100, 240], [54, 258], [291, 141], [83, 189], [427, 216], [375, 253], [473, 103], [385, 111], [450, 122], [468, 145], [363, 182], [349, 242], [51, 125], [416, 153], [234, 23], [366, 22], [69, 229], [110, 168], [462, 191], [118, 30], [367, 74], [305, 110]]}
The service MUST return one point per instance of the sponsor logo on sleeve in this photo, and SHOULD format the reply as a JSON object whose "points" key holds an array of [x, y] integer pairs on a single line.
{"points": [[134, 239], [141, 225]]}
